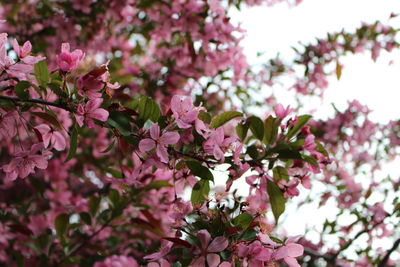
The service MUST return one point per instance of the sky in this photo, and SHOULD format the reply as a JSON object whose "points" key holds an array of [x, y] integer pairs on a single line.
{"points": [[276, 29]]}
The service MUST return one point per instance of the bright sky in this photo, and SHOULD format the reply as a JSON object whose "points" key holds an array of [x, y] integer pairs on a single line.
{"points": [[276, 29]]}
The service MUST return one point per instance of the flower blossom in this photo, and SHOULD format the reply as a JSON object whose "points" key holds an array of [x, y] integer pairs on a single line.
{"points": [[282, 112], [24, 51], [289, 252], [91, 111], [159, 142], [51, 137], [68, 61], [25, 162], [209, 248], [216, 144], [117, 261]]}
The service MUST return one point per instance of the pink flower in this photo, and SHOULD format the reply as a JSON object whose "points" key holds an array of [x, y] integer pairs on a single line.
{"points": [[68, 61], [255, 254], [282, 112], [289, 188], [117, 261], [289, 252], [183, 111], [91, 83], [309, 143], [51, 137], [164, 250], [25, 162], [216, 144], [24, 51], [160, 142], [209, 248], [91, 111], [8, 124]]}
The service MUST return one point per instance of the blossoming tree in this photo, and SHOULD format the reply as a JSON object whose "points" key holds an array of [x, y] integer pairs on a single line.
{"points": [[118, 117]]}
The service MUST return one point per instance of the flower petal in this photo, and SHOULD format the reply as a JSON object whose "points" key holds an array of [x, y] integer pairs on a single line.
{"points": [[146, 145], [218, 244], [169, 138]]}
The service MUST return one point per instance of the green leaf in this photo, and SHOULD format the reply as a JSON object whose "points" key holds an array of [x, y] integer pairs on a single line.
{"points": [[199, 170], [241, 130], [61, 224], [204, 116], [94, 204], [42, 73], [310, 160], [56, 88], [109, 147], [120, 121], [200, 192], [86, 218], [148, 109], [48, 118], [276, 199], [243, 220], [21, 89], [280, 173], [270, 130], [321, 149], [223, 118], [301, 122], [113, 196], [157, 185], [256, 127], [73, 143]]}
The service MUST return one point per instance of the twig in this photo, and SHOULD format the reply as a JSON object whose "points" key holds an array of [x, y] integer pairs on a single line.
{"points": [[36, 101]]}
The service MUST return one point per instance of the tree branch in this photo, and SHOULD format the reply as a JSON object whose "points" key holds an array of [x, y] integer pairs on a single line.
{"points": [[36, 101], [390, 251]]}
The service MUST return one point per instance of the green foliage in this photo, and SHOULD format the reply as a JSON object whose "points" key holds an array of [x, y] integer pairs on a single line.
{"points": [[277, 200], [223, 118]]}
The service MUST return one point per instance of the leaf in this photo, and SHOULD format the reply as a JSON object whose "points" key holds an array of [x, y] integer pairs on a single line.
{"points": [[120, 121], [109, 147], [148, 109], [86, 218], [280, 173], [94, 204], [301, 121], [321, 149], [42, 73], [199, 170], [241, 130], [48, 118], [21, 89], [113, 196], [72, 144], [178, 241], [200, 192], [204, 116], [338, 70], [270, 130], [256, 127], [61, 224], [276, 199], [223, 118], [310, 160], [157, 185], [56, 88], [243, 220]]}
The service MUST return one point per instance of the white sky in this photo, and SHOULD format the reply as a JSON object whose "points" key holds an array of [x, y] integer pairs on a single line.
{"points": [[276, 29]]}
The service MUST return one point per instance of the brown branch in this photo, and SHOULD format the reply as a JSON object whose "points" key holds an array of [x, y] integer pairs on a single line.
{"points": [[390, 251], [36, 101]]}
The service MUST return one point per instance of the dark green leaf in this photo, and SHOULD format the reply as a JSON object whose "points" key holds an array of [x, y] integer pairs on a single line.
{"points": [[48, 118], [21, 89], [200, 192], [61, 224], [301, 122], [73, 143], [223, 118], [94, 204], [271, 126], [42, 73], [109, 147], [56, 88], [199, 170], [86, 218], [241, 130], [256, 127], [280, 173], [276, 199], [204, 116], [310, 160], [243, 220]]}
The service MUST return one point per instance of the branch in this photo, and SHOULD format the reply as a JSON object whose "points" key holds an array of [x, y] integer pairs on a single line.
{"points": [[36, 101], [387, 256]]}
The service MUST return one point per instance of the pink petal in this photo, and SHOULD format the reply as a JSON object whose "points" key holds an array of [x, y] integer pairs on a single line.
{"points": [[93, 104], [146, 145], [65, 47], [218, 244], [294, 250], [204, 238], [99, 114], [58, 141], [155, 131], [169, 138], [162, 153], [292, 262], [39, 161], [213, 260]]}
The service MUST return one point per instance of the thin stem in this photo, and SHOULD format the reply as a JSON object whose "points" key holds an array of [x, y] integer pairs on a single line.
{"points": [[390, 251], [36, 101]]}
